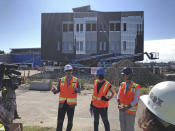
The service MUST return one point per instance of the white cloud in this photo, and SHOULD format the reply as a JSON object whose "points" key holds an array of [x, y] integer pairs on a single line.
{"points": [[166, 49]]}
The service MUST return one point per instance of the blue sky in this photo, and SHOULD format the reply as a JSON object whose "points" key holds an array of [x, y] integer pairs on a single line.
{"points": [[20, 20]]}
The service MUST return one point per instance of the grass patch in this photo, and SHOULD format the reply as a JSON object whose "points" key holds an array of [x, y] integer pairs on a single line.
{"points": [[38, 128]]}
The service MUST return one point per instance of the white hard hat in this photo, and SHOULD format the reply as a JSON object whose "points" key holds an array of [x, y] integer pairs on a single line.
{"points": [[67, 67], [161, 101]]}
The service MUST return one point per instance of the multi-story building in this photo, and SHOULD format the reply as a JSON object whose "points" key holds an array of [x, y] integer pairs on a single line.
{"points": [[85, 32]]}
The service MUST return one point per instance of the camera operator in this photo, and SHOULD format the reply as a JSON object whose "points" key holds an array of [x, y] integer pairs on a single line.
{"points": [[9, 82]]}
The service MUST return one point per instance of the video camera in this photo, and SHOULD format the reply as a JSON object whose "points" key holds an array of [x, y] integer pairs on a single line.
{"points": [[9, 77]]}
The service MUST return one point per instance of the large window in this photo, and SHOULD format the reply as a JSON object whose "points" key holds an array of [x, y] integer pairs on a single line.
{"points": [[81, 27], [112, 27], [77, 27], [71, 27], [124, 26], [94, 27], [117, 27], [65, 29], [91, 27], [88, 27]]}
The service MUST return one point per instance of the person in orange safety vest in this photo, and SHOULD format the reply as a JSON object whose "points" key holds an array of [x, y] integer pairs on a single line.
{"points": [[68, 87], [127, 98], [100, 101]]}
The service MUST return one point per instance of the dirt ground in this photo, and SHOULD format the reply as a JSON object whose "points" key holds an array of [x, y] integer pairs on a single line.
{"points": [[40, 109]]}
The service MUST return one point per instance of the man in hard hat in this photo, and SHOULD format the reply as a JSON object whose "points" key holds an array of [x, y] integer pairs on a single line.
{"points": [[100, 101], [68, 87], [127, 98], [160, 106]]}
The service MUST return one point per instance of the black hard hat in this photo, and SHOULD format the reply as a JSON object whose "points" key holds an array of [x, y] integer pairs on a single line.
{"points": [[126, 71]]}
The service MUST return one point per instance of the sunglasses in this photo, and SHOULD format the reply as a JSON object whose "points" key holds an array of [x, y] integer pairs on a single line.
{"points": [[68, 71]]}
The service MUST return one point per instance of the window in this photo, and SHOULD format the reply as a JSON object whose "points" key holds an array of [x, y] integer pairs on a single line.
{"points": [[77, 27], [117, 27], [65, 28], [112, 27], [71, 27], [94, 27], [124, 26], [88, 27], [81, 27], [124, 45]]}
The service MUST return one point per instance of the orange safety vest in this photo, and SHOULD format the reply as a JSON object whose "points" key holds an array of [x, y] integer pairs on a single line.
{"points": [[67, 91], [96, 98], [126, 99]]}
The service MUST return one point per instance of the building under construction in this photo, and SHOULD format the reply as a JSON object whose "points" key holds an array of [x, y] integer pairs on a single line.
{"points": [[85, 32]]}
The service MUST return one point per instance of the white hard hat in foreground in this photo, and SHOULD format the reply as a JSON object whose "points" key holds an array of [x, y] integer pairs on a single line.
{"points": [[67, 67], [161, 101]]}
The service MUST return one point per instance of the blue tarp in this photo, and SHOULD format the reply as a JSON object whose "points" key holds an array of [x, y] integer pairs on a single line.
{"points": [[34, 59]]}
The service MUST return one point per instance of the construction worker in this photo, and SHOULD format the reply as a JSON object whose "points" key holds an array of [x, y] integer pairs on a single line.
{"points": [[68, 87], [100, 101], [127, 99], [159, 113], [9, 93]]}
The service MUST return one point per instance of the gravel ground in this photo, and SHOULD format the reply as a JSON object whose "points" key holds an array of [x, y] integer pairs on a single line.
{"points": [[40, 109]]}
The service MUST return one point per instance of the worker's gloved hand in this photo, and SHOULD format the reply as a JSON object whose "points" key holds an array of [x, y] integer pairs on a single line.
{"points": [[104, 98], [118, 101], [76, 90], [54, 90], [91, 110], [124, 108]]}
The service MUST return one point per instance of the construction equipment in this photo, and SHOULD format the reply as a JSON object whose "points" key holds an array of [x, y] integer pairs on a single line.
{"points": [[105, 60]]}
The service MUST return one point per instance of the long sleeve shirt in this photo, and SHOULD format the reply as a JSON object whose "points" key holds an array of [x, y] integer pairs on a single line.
{"points": [[136, 97]]}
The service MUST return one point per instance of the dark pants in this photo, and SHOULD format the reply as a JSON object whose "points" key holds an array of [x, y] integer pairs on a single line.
{"points": [[6, 128], [61, 114], [103, 112]]}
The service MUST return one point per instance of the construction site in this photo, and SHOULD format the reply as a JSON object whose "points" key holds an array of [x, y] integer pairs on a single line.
{"points": [[87, 40]]}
